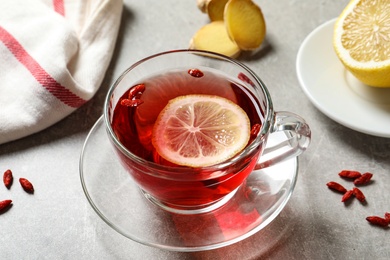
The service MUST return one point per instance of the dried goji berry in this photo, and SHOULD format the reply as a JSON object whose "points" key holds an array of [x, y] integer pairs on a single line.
{"points": [[364, 179], [375, 220], [358, 194], [350, 174], [387, 216], [8, 178], [26, 185], [347, 196], [336, 186], [195, 73], [4, 204]]}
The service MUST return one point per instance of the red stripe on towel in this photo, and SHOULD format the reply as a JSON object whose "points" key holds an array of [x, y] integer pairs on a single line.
{"points": [[59, 7], [49, 83]]}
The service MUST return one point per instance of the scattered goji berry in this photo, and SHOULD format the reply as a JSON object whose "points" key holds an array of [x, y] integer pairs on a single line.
{"points": [[375, 220], [26, 185], [4, 204], [8, 178], [364, 179], [195, 73], [358, 194], [347, 196], [350, 174], [336, 186], [387, 216], [359, 179]]}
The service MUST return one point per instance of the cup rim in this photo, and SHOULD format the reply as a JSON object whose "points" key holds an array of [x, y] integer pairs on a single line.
{"points": [[178, 171]]}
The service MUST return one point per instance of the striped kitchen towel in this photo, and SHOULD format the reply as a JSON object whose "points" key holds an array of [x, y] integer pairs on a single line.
{"points": [[53, 57]]}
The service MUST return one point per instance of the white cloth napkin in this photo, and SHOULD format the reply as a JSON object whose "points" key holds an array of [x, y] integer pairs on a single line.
{"points": [[53, 57]]}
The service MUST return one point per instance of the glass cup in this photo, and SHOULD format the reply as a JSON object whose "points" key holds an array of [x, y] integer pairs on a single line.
{"points": [[189, 190]]}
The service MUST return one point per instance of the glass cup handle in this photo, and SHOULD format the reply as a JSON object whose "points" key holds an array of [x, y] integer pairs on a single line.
{"points": [[298, 136]]}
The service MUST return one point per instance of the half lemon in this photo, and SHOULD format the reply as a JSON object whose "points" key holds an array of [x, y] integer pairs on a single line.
{"points": [[362, 41]]}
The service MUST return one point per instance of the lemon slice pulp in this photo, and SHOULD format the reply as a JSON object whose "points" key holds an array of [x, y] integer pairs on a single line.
{"points": [[200, 130], [362, 41]]}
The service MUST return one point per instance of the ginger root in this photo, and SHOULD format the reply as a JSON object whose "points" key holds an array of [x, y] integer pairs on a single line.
{"points": [[214, 37], [245, 23], [202, 5], [215, 9], [235, 25]]}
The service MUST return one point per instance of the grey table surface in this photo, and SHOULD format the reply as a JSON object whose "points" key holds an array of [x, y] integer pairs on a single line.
{"points": [[57, 222]]}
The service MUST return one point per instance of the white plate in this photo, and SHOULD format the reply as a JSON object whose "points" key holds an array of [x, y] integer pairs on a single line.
{"points": [[336, 92]]}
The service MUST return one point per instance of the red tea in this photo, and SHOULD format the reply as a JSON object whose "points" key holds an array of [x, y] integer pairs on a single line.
{"points": [[133, 127]]}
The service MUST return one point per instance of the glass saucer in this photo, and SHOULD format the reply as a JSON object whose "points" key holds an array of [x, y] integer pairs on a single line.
{"points": [[121, 204]]}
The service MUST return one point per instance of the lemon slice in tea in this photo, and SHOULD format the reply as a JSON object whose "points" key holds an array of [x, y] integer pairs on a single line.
{"points": [[362, 41], [200, 130]]}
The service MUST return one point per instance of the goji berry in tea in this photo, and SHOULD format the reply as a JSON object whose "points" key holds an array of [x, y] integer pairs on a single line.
{"points": [[255, 130], [8, 178], [26, 185], [336, 186], [364, 179], [4, 204], [136, 91], [347, 196], [195, 73], [131, 103], [375, 220], [245, 78], [358, 194], [350, 174]]}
